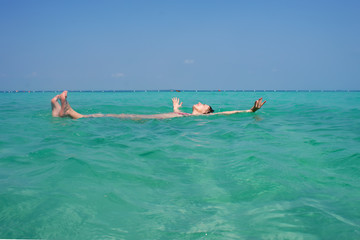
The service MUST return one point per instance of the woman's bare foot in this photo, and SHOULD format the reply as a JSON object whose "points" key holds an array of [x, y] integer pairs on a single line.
{"points": [[66, 110], [64, 104], [55, 106]]}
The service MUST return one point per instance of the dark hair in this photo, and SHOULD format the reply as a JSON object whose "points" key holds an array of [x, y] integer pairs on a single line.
{"points": [[210, 110]]}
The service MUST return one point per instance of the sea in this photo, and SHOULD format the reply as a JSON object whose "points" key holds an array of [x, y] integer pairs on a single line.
{"points": [[289, 171]]}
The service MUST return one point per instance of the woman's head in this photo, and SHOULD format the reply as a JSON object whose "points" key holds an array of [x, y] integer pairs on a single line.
{"points": [[202, 109]]}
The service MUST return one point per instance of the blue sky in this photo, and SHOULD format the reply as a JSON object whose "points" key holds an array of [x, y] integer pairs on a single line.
{"points": [[116, 45]]}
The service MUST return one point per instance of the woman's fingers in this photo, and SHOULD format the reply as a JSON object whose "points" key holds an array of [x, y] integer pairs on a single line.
{"points": [[175, 100], [258, 103]]}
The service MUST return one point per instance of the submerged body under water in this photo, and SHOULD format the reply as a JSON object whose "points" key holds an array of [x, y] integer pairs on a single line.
{"points": [[289, 171]]}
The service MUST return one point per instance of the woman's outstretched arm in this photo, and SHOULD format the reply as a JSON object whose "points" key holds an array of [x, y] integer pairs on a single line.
{"points": [[257, 105]]}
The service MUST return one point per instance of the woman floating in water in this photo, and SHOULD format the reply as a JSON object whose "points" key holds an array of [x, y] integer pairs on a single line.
{"points": [[64, 110]]}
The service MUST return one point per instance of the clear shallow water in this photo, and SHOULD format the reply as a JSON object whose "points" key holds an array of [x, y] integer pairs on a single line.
{"points": [[289, 171]]}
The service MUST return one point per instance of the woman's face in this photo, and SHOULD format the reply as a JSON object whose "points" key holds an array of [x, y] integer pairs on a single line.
{"points": [[200, 108]]}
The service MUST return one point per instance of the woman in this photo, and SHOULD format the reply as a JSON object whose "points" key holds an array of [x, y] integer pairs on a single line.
{"points": [[65, 110]]}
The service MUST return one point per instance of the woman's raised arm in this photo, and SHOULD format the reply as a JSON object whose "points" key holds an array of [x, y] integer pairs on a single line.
{"points": [[257, 105]]}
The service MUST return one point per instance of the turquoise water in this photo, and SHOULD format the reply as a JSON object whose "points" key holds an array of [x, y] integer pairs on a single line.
{"points": [[289, 171]]}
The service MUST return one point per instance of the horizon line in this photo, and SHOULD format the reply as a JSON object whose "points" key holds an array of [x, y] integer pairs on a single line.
{"points": [[182, 90]]}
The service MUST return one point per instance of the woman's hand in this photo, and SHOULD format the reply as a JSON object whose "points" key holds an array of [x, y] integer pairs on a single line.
{"points": [[257, 105], [176, 104]]}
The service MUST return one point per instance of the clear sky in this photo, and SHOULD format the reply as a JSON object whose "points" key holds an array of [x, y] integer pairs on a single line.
{"points": [[179, 44]]}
